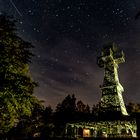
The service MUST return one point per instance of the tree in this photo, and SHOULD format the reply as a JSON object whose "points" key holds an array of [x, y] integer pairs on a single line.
{"points": [[65, 112], [83, 111], [67, 108], [133, 108], [95, 111], [48, 114], [47, 130], [80, 106], [29, 126], [16, 84]]}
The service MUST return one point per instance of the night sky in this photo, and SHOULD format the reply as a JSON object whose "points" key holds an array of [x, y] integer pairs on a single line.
{"points": [[68, 36]]}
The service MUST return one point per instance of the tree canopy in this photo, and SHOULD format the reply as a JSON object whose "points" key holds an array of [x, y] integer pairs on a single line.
{"points": [[16, 84]]}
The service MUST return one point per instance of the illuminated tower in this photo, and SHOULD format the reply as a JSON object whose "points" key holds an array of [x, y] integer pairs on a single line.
{"points": [[111, 100], [113, 120]]}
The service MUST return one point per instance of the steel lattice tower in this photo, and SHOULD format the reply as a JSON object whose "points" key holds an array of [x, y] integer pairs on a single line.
{"points": [[111, 100]]}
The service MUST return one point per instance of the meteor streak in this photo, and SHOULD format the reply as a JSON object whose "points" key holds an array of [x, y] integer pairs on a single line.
{"points": [[15, 7]]}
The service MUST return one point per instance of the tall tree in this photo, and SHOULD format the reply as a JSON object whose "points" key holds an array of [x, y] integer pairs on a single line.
{"points": [[48, 114], [80, 106], [16, 84], [95, 111], [65, 112], [47, 130], [67, 108], [83, 111]]}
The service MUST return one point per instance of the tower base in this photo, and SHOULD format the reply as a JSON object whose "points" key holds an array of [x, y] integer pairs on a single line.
{"points": [[103, 129]]}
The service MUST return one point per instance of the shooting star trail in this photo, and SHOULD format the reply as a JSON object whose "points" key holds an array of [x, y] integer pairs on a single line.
{"points": [[15, 8]]}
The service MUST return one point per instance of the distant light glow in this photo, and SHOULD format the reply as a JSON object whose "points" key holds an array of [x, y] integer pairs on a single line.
{"points": [[86, 132]]}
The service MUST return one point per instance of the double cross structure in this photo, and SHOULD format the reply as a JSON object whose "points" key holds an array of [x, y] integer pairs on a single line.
{"points": [[111, 100], [113, 120]]}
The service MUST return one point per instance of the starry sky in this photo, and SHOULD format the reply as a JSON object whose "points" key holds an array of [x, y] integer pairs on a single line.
{"points": [[68, 35]]}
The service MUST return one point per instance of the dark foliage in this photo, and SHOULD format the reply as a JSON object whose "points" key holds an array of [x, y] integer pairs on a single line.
{"points": [[16, 84]]}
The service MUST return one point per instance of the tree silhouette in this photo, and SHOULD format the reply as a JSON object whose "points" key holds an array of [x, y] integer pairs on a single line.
{"points": [[95, 111], [16, 84], [65, 112], [48, 126], [80, 106], [83, 111]]}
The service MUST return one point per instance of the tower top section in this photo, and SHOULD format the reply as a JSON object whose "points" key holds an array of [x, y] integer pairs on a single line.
{"points": [[110, 54]]}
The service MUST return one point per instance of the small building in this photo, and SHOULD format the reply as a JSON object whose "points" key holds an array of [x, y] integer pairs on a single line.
{"points": [[103, 129]]}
